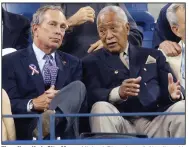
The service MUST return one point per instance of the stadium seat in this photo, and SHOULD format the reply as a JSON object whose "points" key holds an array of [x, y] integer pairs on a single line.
{"points": [[144, 20], [25, 9]]}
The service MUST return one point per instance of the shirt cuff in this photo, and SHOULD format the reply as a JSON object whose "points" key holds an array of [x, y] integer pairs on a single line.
{"points": [[28, 106], [114, 95]]}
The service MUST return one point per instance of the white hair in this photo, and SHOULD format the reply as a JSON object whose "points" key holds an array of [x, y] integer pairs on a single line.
{"points": [[38, 15], [117, 10], [171, 13]]}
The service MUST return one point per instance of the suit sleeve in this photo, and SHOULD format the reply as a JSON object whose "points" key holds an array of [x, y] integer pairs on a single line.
{"points": [[95, 90], [135, 36], [9, 83], [77, 71], [23, 40]]}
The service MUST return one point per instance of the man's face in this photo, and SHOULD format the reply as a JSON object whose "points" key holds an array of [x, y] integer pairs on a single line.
{"points": [[113, 32], [50, 32], [180, 29]]}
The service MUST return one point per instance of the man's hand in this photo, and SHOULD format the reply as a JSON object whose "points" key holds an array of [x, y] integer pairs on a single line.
{"points": [[51, 92], [42, 102], [174, 88], [95, 46], [130, 87], [83, 15], [170, 48]]}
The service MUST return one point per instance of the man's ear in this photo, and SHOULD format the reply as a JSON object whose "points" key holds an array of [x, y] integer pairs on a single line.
{"points": [[34, 29], [127, 27], [175, 30]]}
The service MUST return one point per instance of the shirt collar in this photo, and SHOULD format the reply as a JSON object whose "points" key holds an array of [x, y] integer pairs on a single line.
{"points": [[126, 50], [182, 44], [39, 53]]}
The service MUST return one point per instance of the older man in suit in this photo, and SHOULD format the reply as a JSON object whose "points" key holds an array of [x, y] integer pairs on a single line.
{"points": [[16, 30], [176, 18], [125, 78], [42, 80]]}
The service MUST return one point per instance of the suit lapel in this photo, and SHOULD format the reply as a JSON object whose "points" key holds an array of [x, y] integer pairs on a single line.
{"points": [[113, 61], [30, 58], [62, 64], [136, 60]]}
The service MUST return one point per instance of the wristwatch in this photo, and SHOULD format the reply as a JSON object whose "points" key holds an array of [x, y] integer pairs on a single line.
{"points": [[31, 106]]}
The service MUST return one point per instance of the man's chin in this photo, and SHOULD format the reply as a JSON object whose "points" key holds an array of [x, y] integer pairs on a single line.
{"points": [[55, 45], [115, 50]]}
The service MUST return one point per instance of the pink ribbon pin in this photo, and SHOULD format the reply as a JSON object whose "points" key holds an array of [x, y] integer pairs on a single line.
{"points": [[33, 68]]}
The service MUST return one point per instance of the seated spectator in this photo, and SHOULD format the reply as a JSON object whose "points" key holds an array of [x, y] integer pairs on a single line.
{"points": [[8, 127], [42, 80], [16, 30], [176, 18], [126, 78], [163, 37]]}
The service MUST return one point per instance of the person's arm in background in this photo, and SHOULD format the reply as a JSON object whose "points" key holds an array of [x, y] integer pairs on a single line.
{"points": [[163, 37], [23, 40], [135, 36]]}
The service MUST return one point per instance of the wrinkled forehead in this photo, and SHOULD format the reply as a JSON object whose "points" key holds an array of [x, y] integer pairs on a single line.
{"points": [[54, 15], [108, 17]]}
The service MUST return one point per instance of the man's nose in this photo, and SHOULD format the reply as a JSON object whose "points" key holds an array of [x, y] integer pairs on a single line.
{"points": [[109, 35]]}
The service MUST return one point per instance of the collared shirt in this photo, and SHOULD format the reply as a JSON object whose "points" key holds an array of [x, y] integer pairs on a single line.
{"points": [[114, 94], [39, 55], [182, 67]]}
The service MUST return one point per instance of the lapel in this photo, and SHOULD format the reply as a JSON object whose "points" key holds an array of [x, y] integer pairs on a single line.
{"points": [[63, 65], [30, 58], [113, 61], [136, 60]]}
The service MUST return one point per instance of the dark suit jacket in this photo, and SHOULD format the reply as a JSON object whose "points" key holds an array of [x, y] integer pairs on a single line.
{"points": [[78, 41], [21, 86], [100, 78], [16, 30], [162, 30]]}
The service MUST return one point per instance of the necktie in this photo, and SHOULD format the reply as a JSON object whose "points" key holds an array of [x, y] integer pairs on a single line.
{"points": [[183, 67], [126, 59], [50, 71]]}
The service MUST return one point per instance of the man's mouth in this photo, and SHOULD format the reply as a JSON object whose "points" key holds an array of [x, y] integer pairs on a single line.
{"points": [[112, 44], [56, 40]]}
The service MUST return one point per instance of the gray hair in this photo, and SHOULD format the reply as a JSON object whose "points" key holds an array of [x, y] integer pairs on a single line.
{"points": [[171, 13], [117, 10], [38, 15]]}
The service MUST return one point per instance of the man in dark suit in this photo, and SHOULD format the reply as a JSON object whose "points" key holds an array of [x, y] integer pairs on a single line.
{"points": [[16, 30], [82, 36], [163, 36], [125, 78], [42, 80]]}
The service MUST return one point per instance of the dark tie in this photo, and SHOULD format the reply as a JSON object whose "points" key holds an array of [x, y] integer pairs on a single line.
{"points": [[50, 71]]}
